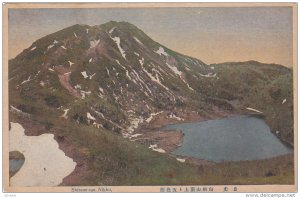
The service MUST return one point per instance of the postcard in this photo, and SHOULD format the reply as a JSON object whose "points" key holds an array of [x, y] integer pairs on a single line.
{"points": [[150, 97]]}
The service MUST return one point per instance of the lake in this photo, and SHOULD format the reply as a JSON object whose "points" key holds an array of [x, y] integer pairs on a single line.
{"points": [[229, 139]]}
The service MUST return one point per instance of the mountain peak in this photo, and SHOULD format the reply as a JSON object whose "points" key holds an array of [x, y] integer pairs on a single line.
{"points": [[118, 23], [121, 25], [84, 57]]}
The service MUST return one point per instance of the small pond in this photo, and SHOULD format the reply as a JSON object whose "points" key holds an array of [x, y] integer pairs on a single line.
{"points": [[15, 164]]}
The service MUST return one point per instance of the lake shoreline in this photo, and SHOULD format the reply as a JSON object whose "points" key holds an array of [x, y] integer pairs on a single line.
{"points": [[157, 127]]}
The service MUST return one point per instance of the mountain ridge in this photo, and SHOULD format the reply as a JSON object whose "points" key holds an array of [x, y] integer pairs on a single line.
{"points": [[110, 23], [80, 53]]}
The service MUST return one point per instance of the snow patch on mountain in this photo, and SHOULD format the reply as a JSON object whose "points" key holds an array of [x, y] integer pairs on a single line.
{"points": [[77, 86], [101, 90], [120, 64], [98, 113], [161, 51], [162, 70], [137, 40], [174, 69], [50, 46], [180, 160], [252, 109], [37, 73], [187, 84], [107, 70], [94, 43], [91, 76], [152, 115], [284, 101], [173, 116], [117, 40], [67, 73], [141, 62], [25, 81], [100, 95], [42, 83], [84, 74], [104, 118], [38, 170], [129, 77], [139, 78], [84, 93], [135, 135], [65, 114], [12, 108], [111, 30], [155, 79], [155, 148], [157, 72], [134, 123], [90, 117], [71, 63], [209, 75]]}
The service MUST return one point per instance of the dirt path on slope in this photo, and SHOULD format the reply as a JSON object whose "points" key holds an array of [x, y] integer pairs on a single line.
{"points": [[64, 80]]}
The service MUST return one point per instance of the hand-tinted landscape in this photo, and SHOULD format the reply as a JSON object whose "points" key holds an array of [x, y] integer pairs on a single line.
{"points": [[107, 105]]}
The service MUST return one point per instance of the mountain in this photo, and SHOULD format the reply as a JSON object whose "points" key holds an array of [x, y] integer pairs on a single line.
{"points": [[111, 83]]}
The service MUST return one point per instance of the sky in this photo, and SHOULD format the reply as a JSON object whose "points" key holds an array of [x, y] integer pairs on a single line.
{"points": [[212, 34]]}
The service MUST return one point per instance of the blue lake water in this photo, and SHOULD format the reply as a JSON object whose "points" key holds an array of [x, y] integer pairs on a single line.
{"points": [[229, 139], [15, 164]]}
